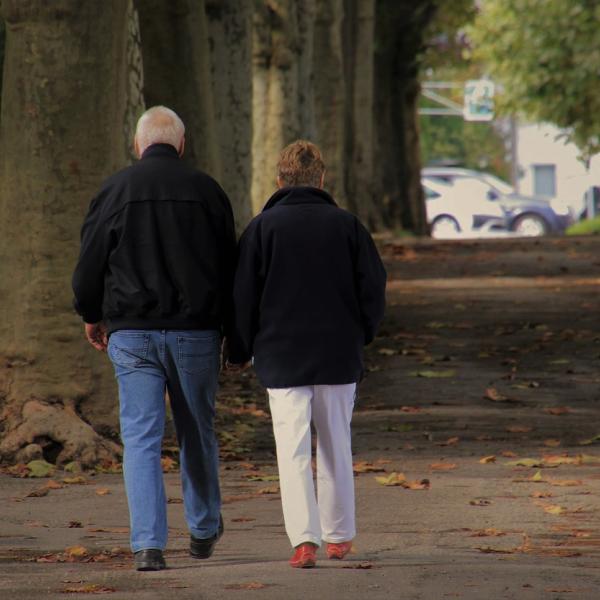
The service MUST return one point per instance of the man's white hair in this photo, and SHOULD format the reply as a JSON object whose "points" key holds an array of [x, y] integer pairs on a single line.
{"points": [[159, 125]]}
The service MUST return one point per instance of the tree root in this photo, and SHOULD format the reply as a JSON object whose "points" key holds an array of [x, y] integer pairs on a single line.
{"points": [[73, 438]]}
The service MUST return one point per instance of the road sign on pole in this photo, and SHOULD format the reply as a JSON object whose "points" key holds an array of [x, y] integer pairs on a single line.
{"points": [[479, 100]]}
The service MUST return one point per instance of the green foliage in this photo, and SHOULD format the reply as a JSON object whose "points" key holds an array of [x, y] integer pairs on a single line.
{"points": [[471, 145], [448, 58], [586, 227], [546, 55]]}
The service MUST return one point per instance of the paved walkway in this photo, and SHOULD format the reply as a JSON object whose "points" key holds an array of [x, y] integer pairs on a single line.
{"points": [[489, 357]]}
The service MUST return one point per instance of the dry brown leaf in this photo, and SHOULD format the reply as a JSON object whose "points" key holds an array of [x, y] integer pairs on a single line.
{"points": [[564, 482], [480, 502], [450, 441], [490, 532], [251, 585], [442, 466], [109, 530], [243, 520], [539, 494], [75, 525], [102, 491], [487, 459], [519, 429], [88, 588], [272, 489], [53, 485], [558, 410], [366, 467], [359, 565], [76, 551], [38, 493], [168, 464], [551, 443], [509, 454], [411, 409]]}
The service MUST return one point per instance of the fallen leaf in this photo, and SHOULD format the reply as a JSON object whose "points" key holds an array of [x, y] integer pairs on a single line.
{"points": [[519, 429], [411, 409], [494, 395], [490, 532], [251, 585], [40, 468], [434, 374], [490, 550], [53, 485], [449, 442], [386, 351], [273, 489], [538, 494], [560, 361], [75, 480], [393, 479], [262, 477], [590, 441], [508, 454], [109, 530], [442, 466], [76, 551], [168, 464], [75, 525], [359, 565], [564, 482], [102, 491], [366, 467], [38, 493], [525, 462], [558, 410], [89, 588], [175, 501], [243, 520], [480, 502], [551, 443], [487, 459]]}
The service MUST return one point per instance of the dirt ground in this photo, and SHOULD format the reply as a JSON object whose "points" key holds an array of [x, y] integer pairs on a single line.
{"points": [[481, 407]]}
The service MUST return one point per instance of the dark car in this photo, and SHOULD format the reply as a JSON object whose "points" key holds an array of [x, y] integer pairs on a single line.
{"points": [[526, 215]]}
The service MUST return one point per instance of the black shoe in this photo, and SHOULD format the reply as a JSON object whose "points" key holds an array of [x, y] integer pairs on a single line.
{"points": [[149, 560], [203, 548]]}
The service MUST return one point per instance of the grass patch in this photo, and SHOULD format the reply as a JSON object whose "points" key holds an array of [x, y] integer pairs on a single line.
{"points": [[585, 227]]}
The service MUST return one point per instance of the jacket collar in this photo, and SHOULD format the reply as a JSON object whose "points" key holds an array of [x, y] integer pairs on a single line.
{"points": [[299, 195], [160, 150]]}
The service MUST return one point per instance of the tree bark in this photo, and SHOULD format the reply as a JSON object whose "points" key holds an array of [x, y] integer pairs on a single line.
{"points": [[177, 73], [330, 95], [282, 91], [70, 75], [400, 27], [230, 38]]}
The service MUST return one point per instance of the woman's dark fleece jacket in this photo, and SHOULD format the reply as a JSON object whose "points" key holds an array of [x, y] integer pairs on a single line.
{"points": [[309, 292]]}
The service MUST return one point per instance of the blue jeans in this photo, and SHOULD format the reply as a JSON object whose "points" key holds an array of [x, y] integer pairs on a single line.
{"points": [[186, 363]]}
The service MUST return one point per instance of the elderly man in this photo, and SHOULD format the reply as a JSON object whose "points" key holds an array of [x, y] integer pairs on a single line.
{"points": [[309, 294], [153, 286]]}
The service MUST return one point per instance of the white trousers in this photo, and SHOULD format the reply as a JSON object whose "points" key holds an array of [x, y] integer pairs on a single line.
{"points": [[332, 519]]}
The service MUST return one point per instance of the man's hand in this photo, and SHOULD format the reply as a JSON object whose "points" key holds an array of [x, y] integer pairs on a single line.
{"points": [[96, 335]]}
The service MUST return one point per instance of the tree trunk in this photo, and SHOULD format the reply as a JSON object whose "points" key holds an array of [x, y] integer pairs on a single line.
{"points": [[282, 91], [329, 95], [177, 73], [400, 27], [71, 75], [230, 37]]}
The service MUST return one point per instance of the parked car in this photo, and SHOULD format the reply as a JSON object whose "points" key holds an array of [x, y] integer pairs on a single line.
{"points": [[526, 215], [457, 210]]}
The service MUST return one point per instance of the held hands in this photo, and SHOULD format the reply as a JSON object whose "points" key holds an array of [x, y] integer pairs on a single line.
{"points": [[229, 366], [97, 335]]}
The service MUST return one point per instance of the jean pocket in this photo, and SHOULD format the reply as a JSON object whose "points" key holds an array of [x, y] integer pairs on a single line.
{"points": [[198, 354], [128, 349]]}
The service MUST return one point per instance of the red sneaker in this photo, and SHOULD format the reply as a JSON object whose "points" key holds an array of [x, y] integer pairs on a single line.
{"points": [[338, 550], [305, 556]]}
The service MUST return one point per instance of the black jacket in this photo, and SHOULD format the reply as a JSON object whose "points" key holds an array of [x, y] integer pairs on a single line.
{"points": [[157, 248], [309, 292]]}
